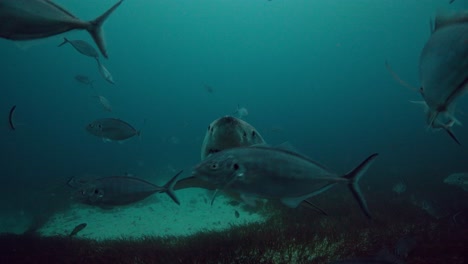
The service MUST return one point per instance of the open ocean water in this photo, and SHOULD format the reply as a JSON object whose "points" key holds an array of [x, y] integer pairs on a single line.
{"points": [[309, 72]]}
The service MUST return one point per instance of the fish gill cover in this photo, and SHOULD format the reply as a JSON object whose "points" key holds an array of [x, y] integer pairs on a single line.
{"points": [[309, 72]]}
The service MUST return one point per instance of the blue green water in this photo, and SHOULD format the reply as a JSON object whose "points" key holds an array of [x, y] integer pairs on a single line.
{"points": [[309, 72]]}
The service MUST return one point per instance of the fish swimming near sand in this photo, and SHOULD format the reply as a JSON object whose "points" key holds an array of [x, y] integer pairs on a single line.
{"points": [[241, 112], [229, 132], [276, 173], [34, 19], [77, 229], [223, 133], [121, 190], [458, 179], [112, 129], [82, 47], [443, 66]]}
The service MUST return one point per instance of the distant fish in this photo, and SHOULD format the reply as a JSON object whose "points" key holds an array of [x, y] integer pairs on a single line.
{"points": [[399, 188], [105, 103], [84, 80], [77, 229], [122, 190], [105, 73], [208, 88], [241, 112], [10, 118], [34, 19], [265, 172], [112, 129], [458, 179], [82, 47], [443, 66]]}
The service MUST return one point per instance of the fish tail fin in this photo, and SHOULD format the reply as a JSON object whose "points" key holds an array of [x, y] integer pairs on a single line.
{"points": [[354, 177], [169, 187], [95, 28], [65, 41]]}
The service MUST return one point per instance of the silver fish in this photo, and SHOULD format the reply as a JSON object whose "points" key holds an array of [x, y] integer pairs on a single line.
{"points": [[261, 171], [122, 190], [105, 103], [34, 19], [82, 47], [112, 129], [229, 132], [105, 73], [84, 80], [443, 66], [458, 179]]}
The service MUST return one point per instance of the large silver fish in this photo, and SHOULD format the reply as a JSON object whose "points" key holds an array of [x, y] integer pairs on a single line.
{"points": [[261, 171], [120, 190], [112, 129], [443, 66], [82, 47], [34, 19]]}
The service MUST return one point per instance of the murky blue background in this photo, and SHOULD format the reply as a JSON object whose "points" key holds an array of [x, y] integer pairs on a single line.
{"points": [[309, 72]]}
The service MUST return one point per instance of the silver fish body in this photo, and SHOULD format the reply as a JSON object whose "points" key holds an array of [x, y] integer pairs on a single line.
{"points": [[458, 179], [82, 47], [121, 190], [112, 129], [84, 79], [34, 19], [443, 65], [274, 173]]}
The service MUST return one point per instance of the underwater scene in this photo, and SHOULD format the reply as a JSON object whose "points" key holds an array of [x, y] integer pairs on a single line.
{"points": [[234, 131]]}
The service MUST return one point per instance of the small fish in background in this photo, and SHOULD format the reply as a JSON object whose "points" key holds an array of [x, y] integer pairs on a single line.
{"points": [[451, 1], [104, 103], [121, 190], [208, 88], [77, 229], [35, 19], [458, 179], [399, 188], [10, 118], [105, 73], [84, 80], [236, 214], [432, 208], [241, 112], [82, 47], [112, 129]]}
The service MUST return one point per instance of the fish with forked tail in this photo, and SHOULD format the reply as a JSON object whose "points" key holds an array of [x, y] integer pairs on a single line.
{"points": [[34, 19], [276, 173], [120, 190]]}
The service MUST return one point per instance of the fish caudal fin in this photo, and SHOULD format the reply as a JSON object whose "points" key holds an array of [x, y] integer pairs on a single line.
{"points": [[65, 41], [95, 28], [169, 187], [354, 177]]}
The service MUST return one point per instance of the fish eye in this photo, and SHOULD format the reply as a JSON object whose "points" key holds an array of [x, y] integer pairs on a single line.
{"points": [[96, 191], [253, 133], [235, 166], [208, 128], [214, 166], [245, 134], [99, 126]]}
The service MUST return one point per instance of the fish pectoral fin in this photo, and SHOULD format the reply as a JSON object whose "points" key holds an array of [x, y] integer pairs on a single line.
{"points": [[293, 202], [249, 199]]}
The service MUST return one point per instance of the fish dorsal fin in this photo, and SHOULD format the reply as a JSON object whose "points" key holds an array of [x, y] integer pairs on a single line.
{"points": [[444, 19]]}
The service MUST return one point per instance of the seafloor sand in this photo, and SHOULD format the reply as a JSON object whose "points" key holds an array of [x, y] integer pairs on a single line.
{"points": [[157, 215]]}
